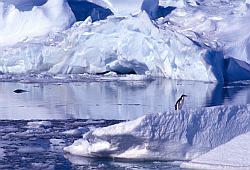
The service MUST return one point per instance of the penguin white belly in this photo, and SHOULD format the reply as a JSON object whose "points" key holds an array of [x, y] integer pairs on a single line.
{"points": [[180, 104]]}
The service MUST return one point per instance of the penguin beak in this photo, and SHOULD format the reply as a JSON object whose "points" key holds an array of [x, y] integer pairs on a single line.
{"points": [[185, 95]]}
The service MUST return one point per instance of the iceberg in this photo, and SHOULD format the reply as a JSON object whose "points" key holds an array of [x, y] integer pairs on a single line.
{"points": [[223, 28], [122, 45], [235, 154], [220, 25], [190, 40], [20, 21], [170, 136]]}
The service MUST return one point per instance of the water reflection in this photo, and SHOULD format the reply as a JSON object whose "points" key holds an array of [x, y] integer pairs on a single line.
{"points": [[124, 100], [92, 163]]}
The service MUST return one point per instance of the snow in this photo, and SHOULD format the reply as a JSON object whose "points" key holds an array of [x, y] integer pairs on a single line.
{"points": [[56, 144], [114, 45], [174, 135], [76, 132], [186, 39], [34, 18], [38, 124], [234, 154], [56, 141], [213, 23], [123, 128]]}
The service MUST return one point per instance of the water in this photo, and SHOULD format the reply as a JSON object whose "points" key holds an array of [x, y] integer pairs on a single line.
{"points": [[82, 106], [120, 100], [24, 146]]}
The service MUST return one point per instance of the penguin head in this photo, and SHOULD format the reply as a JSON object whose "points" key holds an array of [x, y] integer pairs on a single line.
{"points": [[183, 95]]}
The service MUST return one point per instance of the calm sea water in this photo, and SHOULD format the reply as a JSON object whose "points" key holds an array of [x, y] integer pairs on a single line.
{"points": [[120, 100], [89, 105]]}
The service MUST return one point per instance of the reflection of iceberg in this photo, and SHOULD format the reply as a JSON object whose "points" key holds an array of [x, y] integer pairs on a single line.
{"points": [[167, 136], [120, 100]]}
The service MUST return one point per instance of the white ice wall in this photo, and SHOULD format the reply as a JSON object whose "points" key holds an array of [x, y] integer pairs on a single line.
{"points": [[121, 45]]}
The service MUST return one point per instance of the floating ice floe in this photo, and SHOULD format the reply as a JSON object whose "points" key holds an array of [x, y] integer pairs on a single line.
{"points": [[170, 136], [29, 150], [38, 124], [76, 132]]}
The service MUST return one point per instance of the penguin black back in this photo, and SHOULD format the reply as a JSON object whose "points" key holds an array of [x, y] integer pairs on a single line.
{"points": [[179, 103]]}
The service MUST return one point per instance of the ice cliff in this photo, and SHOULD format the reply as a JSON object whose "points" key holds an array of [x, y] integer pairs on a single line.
{"points": [[131, 45]]}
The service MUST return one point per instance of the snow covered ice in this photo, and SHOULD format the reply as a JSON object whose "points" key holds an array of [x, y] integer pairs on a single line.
{"points": [[170, 136], [233, 155], [177, 46], [117, 47], [20, 21]]}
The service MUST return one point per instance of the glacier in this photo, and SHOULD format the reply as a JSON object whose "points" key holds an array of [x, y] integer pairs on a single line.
{"points": [[174, 39], [170, 136]]}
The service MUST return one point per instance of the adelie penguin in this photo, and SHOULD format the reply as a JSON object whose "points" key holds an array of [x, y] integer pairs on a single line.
{"points": [[178, 105]]}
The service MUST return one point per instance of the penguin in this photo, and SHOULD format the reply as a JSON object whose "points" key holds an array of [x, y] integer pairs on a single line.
{"points": [[178, 105], [20, 91]]}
